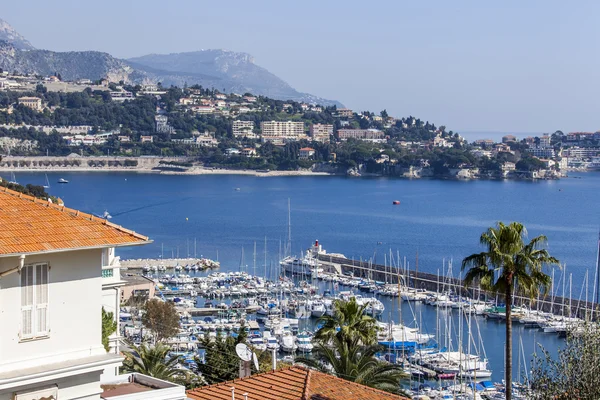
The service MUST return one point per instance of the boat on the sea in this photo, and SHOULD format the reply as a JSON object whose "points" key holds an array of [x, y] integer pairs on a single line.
{"points": [[13, 179], [396, 202], [47, 183], [308, 264], [63, 180]]}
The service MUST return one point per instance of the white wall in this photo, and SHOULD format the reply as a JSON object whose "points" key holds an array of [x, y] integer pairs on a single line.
{"points": [[75, 302]]}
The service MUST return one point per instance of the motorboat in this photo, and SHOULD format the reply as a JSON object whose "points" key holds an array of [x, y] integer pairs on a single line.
{"points": [[303, 341], [288, 342], [317, 309], [63, 180]]}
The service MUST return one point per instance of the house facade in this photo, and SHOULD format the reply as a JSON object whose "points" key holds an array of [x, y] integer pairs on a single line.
{"points": [[58, 269]]}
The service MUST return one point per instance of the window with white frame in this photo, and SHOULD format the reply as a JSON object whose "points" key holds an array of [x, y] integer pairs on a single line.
{"points": [[34, 300]]}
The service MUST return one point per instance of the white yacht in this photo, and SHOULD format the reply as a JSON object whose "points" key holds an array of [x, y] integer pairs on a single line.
{"points": [[257, 342], [303, 341], [288, 342], [317, 309], [308, 264]]}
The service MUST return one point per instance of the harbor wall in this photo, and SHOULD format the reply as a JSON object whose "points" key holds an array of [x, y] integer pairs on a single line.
{"points": [[439, 284]]}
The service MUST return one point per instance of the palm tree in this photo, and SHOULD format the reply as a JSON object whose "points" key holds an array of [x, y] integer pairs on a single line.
{"points": [[153, 361], [348, 322], [508, 264], [356, 363]]}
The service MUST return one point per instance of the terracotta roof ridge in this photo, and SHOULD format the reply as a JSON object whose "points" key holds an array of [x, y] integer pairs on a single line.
{"points": [[359, 384], [270, 372], [306, 390], [77, 213]]}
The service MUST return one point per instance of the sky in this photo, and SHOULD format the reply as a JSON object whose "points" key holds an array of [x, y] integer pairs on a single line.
{"points": [[474, 66]]}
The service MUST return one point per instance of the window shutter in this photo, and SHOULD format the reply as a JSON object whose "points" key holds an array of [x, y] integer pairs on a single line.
{"points": [[41, 299], [27, 302]]}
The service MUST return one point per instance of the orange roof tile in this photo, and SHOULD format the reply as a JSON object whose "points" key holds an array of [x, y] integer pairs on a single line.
{"points": [[31, 225], [293, 383]]}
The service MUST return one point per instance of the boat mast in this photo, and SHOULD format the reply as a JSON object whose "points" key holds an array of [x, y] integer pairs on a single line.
{"points": [[254, 260], [597, 277], [265, 265], [289, 228]]}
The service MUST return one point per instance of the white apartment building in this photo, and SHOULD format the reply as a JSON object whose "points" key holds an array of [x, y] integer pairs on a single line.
{"points": [[541, 152], [281, 130], [243, 129], [545, 141], [581, 152], [56, 276], [360, 134], [321, 132]]}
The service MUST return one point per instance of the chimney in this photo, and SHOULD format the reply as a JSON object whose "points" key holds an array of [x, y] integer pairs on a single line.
{"points": [[232, 393], [245, 396], [274, 353]]}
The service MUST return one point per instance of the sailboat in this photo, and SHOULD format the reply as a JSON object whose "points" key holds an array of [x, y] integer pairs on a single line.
{"points": [[13, 180], [47, 184]]}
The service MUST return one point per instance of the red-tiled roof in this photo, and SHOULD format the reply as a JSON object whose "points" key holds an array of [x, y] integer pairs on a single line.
{"points": [[294, 383], [31, 225]]}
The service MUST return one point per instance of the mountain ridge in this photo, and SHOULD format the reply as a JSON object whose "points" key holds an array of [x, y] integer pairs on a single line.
{"points": [[211, 68]]}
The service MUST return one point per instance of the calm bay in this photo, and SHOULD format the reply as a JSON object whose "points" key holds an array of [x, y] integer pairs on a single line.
{"points": [[441, 220]]}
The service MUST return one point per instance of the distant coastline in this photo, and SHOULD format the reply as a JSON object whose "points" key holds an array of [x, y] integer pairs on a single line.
{"points": [[199, 170], [189, 171]]}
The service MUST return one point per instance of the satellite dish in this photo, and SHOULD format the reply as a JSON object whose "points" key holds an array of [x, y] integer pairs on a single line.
{"points": [[243, 352], [255, 359]]}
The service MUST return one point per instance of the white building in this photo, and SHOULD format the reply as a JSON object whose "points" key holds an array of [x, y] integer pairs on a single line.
{"points": [[545, 141], [321, 132], [121, 95], [361, 134], [281, 130], [56, 276], [249, 152], [243, 129], [541, 152], [306, 153]]}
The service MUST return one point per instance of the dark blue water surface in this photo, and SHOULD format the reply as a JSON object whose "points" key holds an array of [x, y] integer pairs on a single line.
{"points": [[439, 219]]}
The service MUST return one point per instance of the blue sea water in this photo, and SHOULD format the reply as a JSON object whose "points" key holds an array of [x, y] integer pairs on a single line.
{"points": [[441, 220]]}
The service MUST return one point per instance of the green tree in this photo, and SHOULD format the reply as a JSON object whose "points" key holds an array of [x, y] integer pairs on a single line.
{"points": [[348, 324], [109, 326], [574, 373], [509, 263], [221, 362], [161, 318], [155, 362], [357, 363]]}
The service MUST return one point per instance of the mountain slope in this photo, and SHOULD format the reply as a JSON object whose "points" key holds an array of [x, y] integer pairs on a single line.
{"points": [[224, 70], [220, 69], [8, 34], [71, 65]]}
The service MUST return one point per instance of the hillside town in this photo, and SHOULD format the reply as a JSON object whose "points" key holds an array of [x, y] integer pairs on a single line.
{"points": [[45, 116]]}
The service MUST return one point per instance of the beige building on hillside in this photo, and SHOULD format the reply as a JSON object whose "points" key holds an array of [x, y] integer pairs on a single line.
{"points": [[321, 132], [281, 131], [243, 129], [35, 103]]}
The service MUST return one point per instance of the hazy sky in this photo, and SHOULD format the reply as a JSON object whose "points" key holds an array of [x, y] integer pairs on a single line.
{"points": [[521, 66]]}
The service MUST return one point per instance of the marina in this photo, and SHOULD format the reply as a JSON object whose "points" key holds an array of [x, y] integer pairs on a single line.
{"points": [[283, 315], [204, 217]]}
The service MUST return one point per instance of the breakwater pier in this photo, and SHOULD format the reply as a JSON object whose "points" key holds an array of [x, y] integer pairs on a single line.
{"points": [[415, 279]]}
